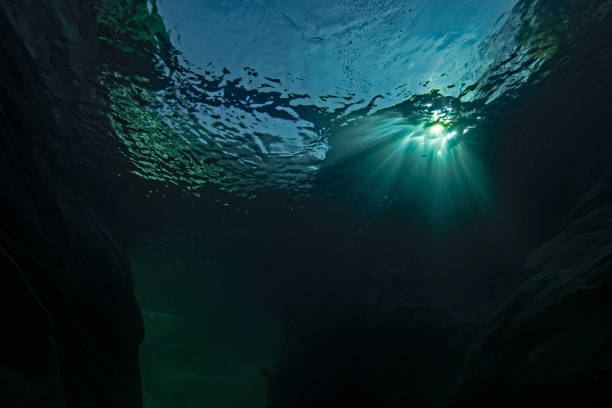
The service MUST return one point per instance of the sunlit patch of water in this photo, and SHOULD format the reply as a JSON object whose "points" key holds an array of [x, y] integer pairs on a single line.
{"points": [[251, 96]]}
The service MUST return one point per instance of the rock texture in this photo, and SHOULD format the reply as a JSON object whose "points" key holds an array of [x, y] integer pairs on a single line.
{"points": [[70, 324], [549, 345], [552, 342]]}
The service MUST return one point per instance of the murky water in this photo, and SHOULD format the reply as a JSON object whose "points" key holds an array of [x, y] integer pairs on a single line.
{"points": [[294, 153]]}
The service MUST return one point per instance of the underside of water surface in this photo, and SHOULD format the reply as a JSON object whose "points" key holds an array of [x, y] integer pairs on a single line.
{"points": [[305, 203]]}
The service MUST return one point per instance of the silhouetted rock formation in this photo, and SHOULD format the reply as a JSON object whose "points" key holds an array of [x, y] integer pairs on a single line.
{"points": [[551, 344], [70, 324]]}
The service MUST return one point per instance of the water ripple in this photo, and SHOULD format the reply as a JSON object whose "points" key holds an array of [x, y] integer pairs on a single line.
{"points": [[252, 95]]}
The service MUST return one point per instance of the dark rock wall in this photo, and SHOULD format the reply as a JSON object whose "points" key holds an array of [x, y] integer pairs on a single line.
{"points": [[70, 324], [552, 342], [549, 345]]}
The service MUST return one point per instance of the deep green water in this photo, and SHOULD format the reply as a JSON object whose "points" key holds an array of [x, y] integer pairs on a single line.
{"points": [[286, 155]]}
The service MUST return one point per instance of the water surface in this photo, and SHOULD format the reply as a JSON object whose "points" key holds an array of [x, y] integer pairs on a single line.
{"points": [[301, 153]]}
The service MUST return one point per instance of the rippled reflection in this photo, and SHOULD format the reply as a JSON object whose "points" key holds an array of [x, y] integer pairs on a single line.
{"points": [[252, 95]]}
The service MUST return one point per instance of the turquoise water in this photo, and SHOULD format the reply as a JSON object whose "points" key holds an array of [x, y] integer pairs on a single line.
{"points": [[293, 153], [253, 95], [208, 337]]}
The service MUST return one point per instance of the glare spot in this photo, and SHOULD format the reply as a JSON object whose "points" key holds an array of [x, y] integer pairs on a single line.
{"points": [[436, 129]]}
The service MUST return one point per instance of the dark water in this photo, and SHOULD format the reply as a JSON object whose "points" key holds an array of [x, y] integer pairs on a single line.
{"points": [[335, 144], [288, 178]]}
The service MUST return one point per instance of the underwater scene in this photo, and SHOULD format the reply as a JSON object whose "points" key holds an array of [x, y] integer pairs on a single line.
{"points": [[305, 203]]}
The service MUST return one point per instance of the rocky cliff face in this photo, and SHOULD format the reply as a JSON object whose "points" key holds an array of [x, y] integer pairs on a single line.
{"points": [[549, 345], [552, 342], [71, 326]]}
